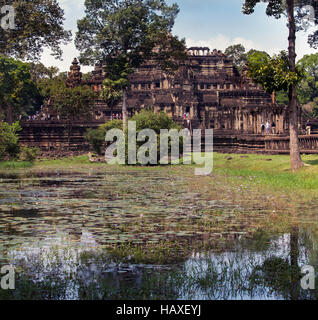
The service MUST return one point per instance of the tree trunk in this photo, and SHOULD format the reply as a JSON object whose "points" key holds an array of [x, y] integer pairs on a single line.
{"points": [[9, 117], [124, 110], [295, 158], [294, 255], [69, 137], [69, 131]]}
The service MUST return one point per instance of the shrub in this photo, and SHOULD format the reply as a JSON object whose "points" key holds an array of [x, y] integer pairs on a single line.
{"points": [[146, 119], [9, 139], [28, 154], [96, 137]]}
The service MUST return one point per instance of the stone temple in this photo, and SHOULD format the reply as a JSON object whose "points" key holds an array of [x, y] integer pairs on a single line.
{"points": [[207, 88], [206, 92]]}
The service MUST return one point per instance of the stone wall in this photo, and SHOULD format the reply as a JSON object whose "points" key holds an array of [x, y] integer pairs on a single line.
{"points": [[53, 137], [280, 145], [50, 135]]}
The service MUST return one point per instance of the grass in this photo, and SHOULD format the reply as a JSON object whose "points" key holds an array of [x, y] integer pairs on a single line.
{"points": [[63, 163], [259, 174], [267, 170], [270, 171], [15, 165]]}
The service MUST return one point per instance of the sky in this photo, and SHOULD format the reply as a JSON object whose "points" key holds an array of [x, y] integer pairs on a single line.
{"points": [[216, 24]]}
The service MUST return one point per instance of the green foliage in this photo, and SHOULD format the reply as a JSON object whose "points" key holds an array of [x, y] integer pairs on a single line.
{"points": [[261, 53], [114, 124], [240, 57], [18, 93], [112, 91], [28, 154], [48, 87], [237, 54], [9, 139], [149, 120], [144, 120], [96, 137], [274, 7], [127, 33], [39, 24], [39, 71], [72, 103], [274, 74], [282, 97], [308, 87]]}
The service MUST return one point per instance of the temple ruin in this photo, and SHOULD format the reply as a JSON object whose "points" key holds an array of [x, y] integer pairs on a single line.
{"points": [[206, 92], [207, 89]]}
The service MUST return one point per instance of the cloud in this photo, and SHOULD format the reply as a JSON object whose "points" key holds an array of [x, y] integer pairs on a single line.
{"points": [[302, 47], [68, 5], [221, 42], [74, 9], [69, 53]]}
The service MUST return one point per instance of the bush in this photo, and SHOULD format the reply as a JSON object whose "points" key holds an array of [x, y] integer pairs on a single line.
{"points": [[144, 120], [147, 119], [28, 154], [156, 121], [96, 137], [9, 139]]}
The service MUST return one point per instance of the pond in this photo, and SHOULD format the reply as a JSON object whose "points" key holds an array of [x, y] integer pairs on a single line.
{"points": [[146, 234]]}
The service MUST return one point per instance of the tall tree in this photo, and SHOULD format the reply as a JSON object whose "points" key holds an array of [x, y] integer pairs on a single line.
{"points": [[72, 104], [39, 71], [296, 14], [38, 24], [111, 93], [273, 73], [125, 33], [238, 54], [308, 88], [18, 92]]}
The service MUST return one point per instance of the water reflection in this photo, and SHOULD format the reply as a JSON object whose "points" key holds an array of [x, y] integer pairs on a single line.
{"points": [[59, 269], [55, 229], [272, 273]]}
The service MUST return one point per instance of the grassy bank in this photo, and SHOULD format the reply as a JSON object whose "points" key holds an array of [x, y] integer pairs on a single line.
{"points": [[4, 165], [263, 170], [273, 171]]}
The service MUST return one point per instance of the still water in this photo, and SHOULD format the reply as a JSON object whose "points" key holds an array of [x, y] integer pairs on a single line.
{"points": [[61, 230]]}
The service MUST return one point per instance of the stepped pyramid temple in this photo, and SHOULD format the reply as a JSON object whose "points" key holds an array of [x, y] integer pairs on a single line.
{"points": [[207, 88], [206, 92]]}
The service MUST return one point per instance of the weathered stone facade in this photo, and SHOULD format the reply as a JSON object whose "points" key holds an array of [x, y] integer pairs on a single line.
{"points": [[206, 92], [207, 88]]}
